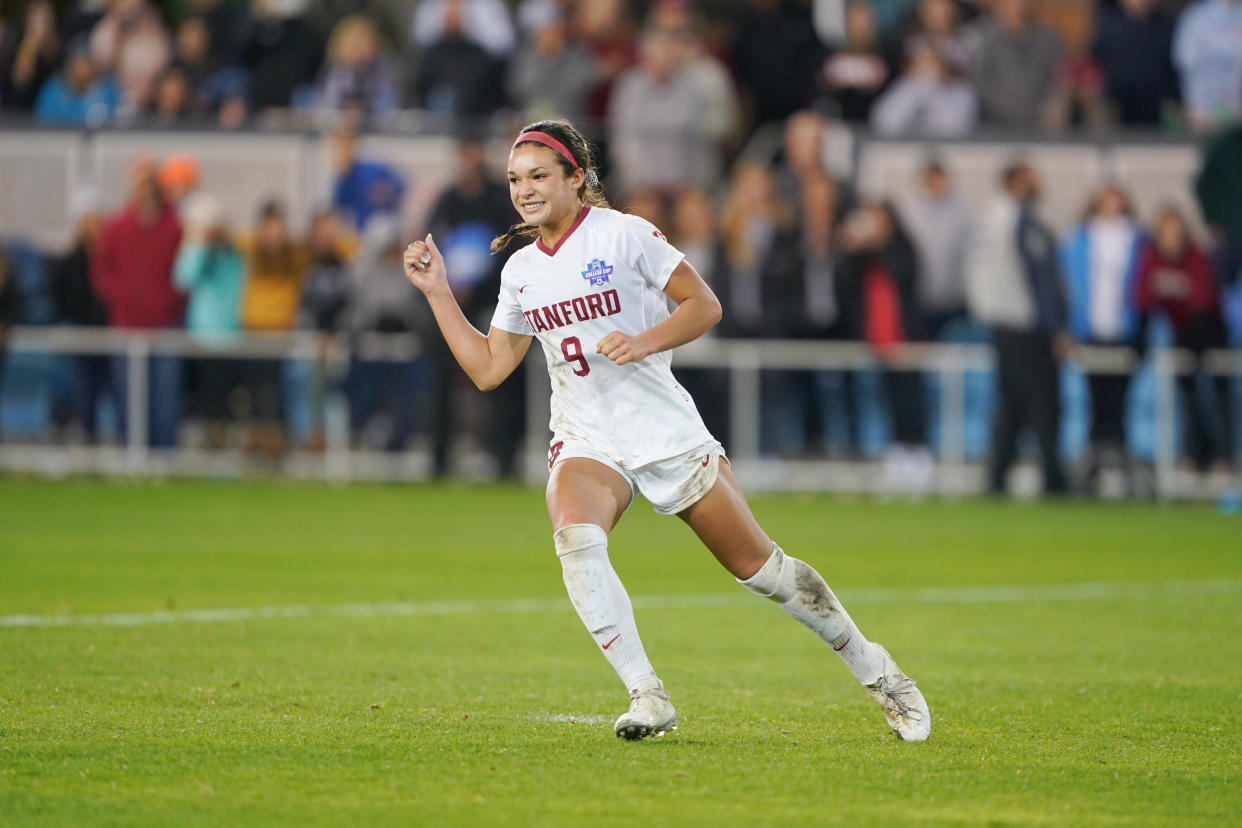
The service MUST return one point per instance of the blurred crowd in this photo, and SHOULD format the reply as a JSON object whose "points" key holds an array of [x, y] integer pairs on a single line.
{"points": [[703, 73], [670, 91]]}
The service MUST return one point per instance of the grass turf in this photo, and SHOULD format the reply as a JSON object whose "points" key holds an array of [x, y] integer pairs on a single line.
{"points": [[1121, 706]]}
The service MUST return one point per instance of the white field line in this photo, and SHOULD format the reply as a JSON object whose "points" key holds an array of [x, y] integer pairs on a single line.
{"points": [[995, 594]]}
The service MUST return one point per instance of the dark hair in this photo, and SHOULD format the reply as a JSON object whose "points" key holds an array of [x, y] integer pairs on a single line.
{"points": [[1093, 204], [589, 193]]}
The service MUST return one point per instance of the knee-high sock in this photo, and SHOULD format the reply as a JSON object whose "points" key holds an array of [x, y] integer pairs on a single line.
{"points": [[602, 602], [801, 592]]}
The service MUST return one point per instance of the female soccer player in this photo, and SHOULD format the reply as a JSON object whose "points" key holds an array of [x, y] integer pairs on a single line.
{"points": [[594, 288]]}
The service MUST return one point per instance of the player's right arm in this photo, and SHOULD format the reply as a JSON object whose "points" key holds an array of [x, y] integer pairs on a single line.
{"points": [[487, 360]]}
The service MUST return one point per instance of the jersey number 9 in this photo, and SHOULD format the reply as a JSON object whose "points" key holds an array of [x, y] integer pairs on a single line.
{"points": [[571, 347]]}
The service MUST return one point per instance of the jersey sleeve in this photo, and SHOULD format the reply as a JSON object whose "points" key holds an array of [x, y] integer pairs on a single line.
{"points": [[508, 315], [656, 258]]}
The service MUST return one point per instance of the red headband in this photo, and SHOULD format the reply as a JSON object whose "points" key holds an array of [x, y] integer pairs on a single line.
{"points": [[548, 141]]}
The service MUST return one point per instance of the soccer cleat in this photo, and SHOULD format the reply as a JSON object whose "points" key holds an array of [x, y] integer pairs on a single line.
{"points": [[903, 704], [650, 714]]}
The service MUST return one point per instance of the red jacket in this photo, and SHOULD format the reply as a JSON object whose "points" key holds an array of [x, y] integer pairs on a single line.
{"points": [[1183, 288], [131, 270]]}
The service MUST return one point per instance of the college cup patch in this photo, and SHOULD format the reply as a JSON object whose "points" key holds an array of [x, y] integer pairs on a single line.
{"points": [[597, 272]]}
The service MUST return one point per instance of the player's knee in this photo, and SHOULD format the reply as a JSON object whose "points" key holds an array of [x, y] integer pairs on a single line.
{"points": [[775, 579], [578, 536], [584, 563]]}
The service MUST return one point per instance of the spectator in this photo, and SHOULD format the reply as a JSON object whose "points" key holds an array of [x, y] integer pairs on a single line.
{"points": [[775, 57], [465, 219], [1100, 262], [131, 42], [132, 267], [225, 23], [10, 312], [1014, 287], [830, 18], [759, 280], [1015, 70], [856, 72], [1133, 48], [720, 113], [363, 188], [760, 272], [77, 304], [1175, 278], [694, 233], [661, 131], [552, 75], [325, 295], [1217, 186], [939, 226], [927, 101], [693, 226], [79, 95], [210, 269], [358, 75], [170, 102], [456, 75], [1206, 51], [216, 89], [325, 303], [484, 23], [276, 266], [607, 33], [28, 56], [281, 52], [937, 23], [178, 177], [879, 279], [381, 302]]}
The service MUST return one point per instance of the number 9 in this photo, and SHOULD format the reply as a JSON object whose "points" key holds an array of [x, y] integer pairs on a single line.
{"points": [[571, 347]]}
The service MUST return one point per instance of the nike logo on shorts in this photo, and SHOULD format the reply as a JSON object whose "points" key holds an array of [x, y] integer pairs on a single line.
{"points": [[707, 460]]}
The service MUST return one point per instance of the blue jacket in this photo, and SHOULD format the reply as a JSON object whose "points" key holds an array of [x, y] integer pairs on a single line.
{"points": [[366, 188], [1076, 262], [213, 277], [59, 104]]}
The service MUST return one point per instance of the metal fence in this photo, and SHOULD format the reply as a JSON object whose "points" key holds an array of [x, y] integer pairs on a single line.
{"points": [[950, 366]]}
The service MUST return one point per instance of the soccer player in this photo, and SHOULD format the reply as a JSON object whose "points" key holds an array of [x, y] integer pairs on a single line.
{"points": [[595, 289]]}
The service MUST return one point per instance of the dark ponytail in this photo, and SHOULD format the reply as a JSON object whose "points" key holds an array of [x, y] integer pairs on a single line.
{"points": [[590, 193]]}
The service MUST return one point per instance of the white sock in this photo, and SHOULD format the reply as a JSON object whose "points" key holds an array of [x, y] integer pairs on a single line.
{"points": [[602, 602], [802, 593]]}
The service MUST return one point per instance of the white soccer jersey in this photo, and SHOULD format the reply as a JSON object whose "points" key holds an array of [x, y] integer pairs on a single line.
{"points": [[606, 274]]}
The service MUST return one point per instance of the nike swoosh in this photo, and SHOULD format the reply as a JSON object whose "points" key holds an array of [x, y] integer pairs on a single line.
{"points": [[610, 643], [522, 288], [707, 460], [842, 647]]}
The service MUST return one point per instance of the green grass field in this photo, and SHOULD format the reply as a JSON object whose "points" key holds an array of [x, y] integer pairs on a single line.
{"points": [[406, 656]]}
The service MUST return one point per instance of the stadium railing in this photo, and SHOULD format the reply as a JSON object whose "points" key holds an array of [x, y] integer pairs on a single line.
{"points": [[742, 360]]}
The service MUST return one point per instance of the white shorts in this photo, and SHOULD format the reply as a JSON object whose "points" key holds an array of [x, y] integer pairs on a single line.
{"points": [[671, 485]]}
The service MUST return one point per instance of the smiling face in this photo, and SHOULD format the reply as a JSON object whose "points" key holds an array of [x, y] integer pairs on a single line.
{"points": [[540, 190]]}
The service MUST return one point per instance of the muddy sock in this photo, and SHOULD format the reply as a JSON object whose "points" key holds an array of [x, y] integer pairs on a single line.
{"points": [[802, 594]]}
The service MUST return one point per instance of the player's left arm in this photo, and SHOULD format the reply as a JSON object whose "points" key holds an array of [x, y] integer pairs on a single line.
{"points": [[698, 310]]}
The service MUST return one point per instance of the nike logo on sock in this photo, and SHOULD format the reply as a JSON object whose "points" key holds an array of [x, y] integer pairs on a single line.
{"points": [[610, 643], [842, 647]]}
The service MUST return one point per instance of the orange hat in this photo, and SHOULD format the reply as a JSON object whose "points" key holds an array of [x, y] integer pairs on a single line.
{"points": [[179, 172]]}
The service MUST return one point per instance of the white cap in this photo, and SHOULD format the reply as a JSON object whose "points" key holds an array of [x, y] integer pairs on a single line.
{"points": [[201, 211]]}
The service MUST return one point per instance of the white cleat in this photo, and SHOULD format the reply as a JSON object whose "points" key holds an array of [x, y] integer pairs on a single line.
{"points": [[903, 704], [650, 714]]}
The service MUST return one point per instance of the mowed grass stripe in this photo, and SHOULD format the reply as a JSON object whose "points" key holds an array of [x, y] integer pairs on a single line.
{"points": [[985, 594]]}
